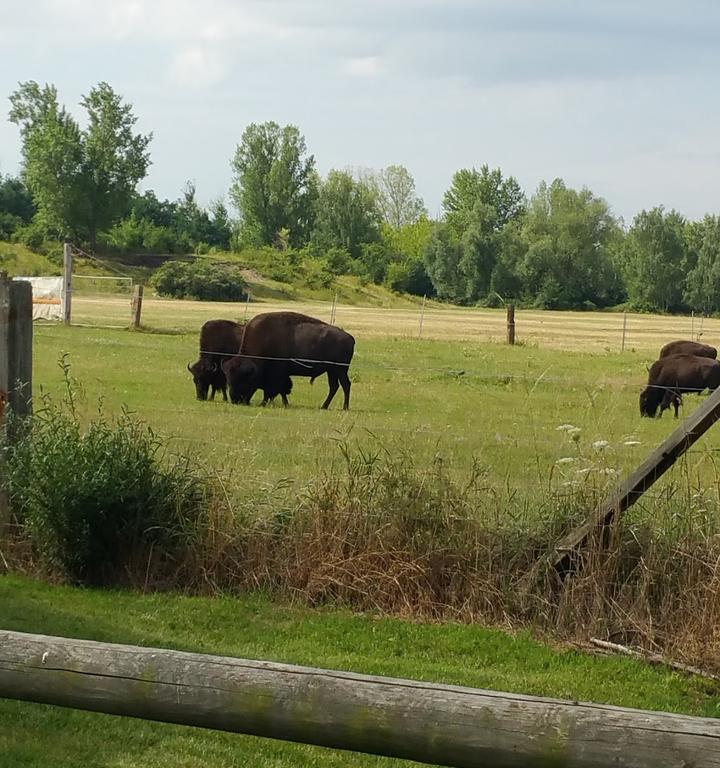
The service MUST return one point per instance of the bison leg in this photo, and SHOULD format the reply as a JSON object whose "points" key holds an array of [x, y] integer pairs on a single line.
{"points": [[333, 384], [284, 399], [345, 382], [224, 392], [677, 402], [212, 392]]}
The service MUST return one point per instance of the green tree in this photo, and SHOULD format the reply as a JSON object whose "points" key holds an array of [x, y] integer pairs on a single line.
{"points": [[478, 207], [82, 180], [16, 206], [702, 291], [52, 157], [115, 159], [397, 200], [275, 184], [654, 260], [471, 187], [347, 214], [569, 236]]}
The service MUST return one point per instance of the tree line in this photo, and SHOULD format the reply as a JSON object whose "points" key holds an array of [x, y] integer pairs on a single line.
{"points": [[557, 248]]}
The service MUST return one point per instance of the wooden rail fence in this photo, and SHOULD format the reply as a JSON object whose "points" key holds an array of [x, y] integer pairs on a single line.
{"points": [[438, 724]]}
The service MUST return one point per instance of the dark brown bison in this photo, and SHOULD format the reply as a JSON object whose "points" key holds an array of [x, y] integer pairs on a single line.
{"points": [[688, 348], [277, 345], [674, 375], [219, 339]]}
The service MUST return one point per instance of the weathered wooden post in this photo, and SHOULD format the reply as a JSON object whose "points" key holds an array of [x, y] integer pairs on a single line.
{"points": [[136, 306], [622, 344], [422, 317], [16, 332], [510, 323], [247, 304], [67, 283], [333, 311]]}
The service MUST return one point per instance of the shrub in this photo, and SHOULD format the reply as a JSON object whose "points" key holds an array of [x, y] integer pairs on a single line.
{"points": [[133, 233], [200, 279], [102, 501]]}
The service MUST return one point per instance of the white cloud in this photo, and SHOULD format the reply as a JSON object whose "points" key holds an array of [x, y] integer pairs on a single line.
{"points": [[197, 66], [364, 66]]}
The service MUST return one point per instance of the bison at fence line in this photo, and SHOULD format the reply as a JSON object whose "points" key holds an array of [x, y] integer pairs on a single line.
{"points": [[688, 348], [277, 345], [674, 375], [219, 339]]}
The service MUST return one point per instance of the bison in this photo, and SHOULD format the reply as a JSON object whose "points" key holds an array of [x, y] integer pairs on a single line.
{"points": [[672, 376], [688, 348], [218, 340], [277, 345]]}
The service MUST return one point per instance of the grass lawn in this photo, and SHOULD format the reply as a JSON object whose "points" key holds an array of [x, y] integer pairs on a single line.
{"points": [[36, 735]]}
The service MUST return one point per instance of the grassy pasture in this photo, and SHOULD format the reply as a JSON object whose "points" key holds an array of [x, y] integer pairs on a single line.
{"points": [[453, 395]]}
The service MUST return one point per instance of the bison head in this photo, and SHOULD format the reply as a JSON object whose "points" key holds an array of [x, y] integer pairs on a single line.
{"points": [[649, 401], [205, 373], [243, 377]]}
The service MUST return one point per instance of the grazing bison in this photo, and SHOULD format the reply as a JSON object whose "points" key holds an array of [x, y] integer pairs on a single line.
{"points": [[218, 340], [277, 345], [688, 348], [670, 377]]}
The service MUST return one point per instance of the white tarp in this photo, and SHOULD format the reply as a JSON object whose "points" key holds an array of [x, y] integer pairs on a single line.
{"points": [[47, 297]]}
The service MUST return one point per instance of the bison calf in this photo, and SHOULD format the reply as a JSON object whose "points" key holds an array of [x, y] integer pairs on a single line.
{"points": [[674, 375], [219, 339]]}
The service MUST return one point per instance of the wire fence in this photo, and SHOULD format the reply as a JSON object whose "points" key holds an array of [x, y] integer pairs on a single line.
{"points": [[582, 331]]}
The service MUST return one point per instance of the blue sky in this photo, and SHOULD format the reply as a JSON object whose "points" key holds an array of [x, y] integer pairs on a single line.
{"points": [[620, 97]]}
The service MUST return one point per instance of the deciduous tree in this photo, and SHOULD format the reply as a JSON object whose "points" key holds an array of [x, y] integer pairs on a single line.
{"points": [[275, 184]]}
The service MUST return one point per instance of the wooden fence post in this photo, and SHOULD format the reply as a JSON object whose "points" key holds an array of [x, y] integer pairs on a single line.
{"points": [[16, 333], [136, 306], [333, 310], [510, 323], [422, 317], [67, 283], [622, 345]]}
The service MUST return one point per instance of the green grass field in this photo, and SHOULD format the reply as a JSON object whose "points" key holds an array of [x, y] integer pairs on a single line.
{"points": [[459, 399], [35, 736]]}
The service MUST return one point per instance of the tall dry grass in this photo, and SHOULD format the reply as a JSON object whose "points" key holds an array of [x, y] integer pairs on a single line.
{"points": [[385, 535], [377, 532]]}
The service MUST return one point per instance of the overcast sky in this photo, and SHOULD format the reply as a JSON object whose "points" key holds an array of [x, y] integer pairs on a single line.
{"points": [[621, 97]]}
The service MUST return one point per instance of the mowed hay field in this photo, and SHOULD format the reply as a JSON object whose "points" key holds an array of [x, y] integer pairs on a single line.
{"points": [[458, 394]]}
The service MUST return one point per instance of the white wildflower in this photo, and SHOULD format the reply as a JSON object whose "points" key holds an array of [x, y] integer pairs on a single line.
{"points": [[565, 460], [600, 445], [565, 428]]}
